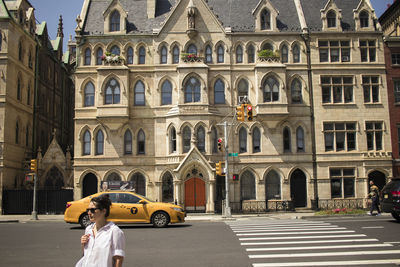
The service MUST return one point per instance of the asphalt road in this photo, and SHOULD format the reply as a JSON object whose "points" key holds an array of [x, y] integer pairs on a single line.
{"points": [[191, 244]]}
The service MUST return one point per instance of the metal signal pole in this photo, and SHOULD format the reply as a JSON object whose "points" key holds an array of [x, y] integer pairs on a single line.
{"points": [[227, 207]]}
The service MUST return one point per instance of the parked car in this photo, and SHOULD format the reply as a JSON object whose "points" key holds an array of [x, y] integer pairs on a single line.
{"points": [[390, 198], [127, 207]]}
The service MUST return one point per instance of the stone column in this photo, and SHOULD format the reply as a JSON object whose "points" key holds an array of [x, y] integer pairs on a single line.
{"points": [[210, 198], [177, 192]]}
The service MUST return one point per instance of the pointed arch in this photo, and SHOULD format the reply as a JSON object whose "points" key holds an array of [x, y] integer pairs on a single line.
{"points": [[243, 139], [273, 181], [265, 19], [128, 142], [139, 93], [167, 187], [247, 185], [186, 138], [141, 142], [287, 139]]}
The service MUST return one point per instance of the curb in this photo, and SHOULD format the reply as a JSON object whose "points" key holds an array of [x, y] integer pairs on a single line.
{"points": [[9, 221]]}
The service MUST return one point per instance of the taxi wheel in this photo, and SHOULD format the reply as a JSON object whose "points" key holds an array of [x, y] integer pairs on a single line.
{"points": [[160, 219], [84, 220]]}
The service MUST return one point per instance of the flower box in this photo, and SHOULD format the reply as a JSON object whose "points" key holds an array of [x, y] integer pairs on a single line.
{"points": [[188, 57]]}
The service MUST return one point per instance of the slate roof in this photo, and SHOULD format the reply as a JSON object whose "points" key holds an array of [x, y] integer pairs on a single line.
{"points": [[236, 14], [311, 10]]}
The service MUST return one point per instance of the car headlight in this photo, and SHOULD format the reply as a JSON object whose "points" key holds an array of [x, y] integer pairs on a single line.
{"points": [[177, 209]]}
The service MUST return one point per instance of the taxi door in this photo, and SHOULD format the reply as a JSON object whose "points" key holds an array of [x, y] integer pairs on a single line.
{"points": [[115, 207], [130, 210]]}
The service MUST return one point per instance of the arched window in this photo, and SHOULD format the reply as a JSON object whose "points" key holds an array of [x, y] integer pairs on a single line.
{"points": [[114, 21], [219, 92], [112, 95], [167, 188], [208, 54], [89, 94], [20, 54], [100, 143], [164, 52], [186, 139], [201, 139], [364, 19], [265, 20], [267, 46], [300, 139], [242, 140], [220, 53], [192, 49], [113, 177], [139, 94], [295, 91], [286, 140], [192, 90], [139, 183], [175, 52], [142, 55], [129, 58], [239, 54], [19, 85], [284, 54], [128, 142], [141, 141], [115, 50], [99, 56], [251, 55], [331, 17], [296, 54], [271, 89], [17, 133], [214, 138], [247, 186], [86, 143], [172, 140], [88, 56], [166, 93], [273, 185], [256, 140], [243, 89]]}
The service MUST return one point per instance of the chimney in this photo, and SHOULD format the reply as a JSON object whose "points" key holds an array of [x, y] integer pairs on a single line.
{"points": [[151, 9]]}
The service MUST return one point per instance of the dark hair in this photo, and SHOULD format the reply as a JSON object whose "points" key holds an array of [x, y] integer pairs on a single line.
{"points": [[102, 202]]}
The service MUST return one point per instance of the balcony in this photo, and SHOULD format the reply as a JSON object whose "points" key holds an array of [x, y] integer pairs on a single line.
{"points": [[269, 56]]}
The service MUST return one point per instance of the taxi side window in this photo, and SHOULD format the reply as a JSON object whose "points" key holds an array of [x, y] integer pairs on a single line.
{"points": [[113, 197], [128, 198]]}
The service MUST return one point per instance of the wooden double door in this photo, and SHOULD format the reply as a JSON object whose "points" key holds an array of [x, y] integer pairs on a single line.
{"points": [[195, 195]]}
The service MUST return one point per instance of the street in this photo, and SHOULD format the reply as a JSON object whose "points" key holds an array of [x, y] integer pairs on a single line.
{"points": [[357, 241]]}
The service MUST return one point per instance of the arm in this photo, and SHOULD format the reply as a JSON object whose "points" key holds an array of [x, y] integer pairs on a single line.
{"points": [[118, 260], [84, 240]]}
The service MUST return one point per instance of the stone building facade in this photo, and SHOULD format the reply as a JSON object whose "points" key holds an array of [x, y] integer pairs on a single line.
{"points": [[155, 81], [36, 95], [391, 30]]}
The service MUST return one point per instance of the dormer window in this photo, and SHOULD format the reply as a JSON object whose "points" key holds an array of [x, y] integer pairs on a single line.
{"points": [[331, 18], [265, 20], [115, 21], [364, 19]]}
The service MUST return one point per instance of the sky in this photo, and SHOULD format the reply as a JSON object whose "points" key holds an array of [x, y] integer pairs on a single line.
{"points": [[50, 11]]}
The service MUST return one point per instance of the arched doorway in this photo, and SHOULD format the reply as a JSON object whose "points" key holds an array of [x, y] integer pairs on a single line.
{"points": [[195, 195], [139, 183], [247, 186], [54, 179], [167, 188], [298, 189], [379, 179], [89, 185]]}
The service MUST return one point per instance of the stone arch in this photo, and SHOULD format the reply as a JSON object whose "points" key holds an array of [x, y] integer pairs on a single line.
{"points": [[108, 78], [273, 180], [165, 78], [265, 42], [54, 177], [248, 184], [139, 179], [84, 83], [89, 184], [298, 188], [193, 74], [110, 172], [379, 178], [167, 186]]}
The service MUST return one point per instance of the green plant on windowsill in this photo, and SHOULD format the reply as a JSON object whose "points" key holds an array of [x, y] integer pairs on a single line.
{"points": [[268, 54]]}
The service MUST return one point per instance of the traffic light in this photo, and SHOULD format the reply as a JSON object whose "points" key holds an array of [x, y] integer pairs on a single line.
{"points": [[240, 112], [219, 168], [235, 177], [249, 109], [34, 165], [220, 144]]}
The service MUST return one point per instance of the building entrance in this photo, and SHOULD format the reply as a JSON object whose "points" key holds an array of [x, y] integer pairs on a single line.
{"points": [[195, 195], [89, 185], [298, 189]]}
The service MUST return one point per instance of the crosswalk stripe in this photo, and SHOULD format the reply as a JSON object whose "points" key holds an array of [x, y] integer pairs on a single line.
{"points": [[324, 254], [278, 223], [309, 242], [319, 247], [328, 263], [288, 230], [300, 237], [299, 233]]}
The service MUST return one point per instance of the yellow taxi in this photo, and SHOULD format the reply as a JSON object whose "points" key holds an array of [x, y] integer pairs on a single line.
{"points": [[127, 207]]}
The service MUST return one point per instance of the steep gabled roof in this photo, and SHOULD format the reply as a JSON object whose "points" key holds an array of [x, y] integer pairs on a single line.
{"points": [[4, 10]]}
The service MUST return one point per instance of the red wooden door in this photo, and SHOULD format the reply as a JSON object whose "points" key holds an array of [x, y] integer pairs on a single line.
{"points": [[195, 195]]}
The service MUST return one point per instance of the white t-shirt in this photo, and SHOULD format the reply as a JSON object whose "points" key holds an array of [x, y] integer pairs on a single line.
{"points": [[99, 251]]}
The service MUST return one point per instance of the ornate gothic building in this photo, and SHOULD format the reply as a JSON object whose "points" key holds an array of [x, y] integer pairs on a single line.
{"points": [[156, 79]]}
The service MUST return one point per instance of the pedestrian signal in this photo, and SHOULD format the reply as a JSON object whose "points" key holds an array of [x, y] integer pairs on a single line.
{"points": [[235, 177], [240, 112]]}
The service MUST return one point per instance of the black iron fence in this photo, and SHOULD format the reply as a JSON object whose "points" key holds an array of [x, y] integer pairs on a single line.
{"points": [[49, 201]]}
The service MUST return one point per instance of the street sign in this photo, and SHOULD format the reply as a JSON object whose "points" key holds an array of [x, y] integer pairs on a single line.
{"points": [[232, 154]]}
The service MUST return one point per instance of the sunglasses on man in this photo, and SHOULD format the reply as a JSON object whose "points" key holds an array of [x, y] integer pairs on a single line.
{"points": [[92, 210]]}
